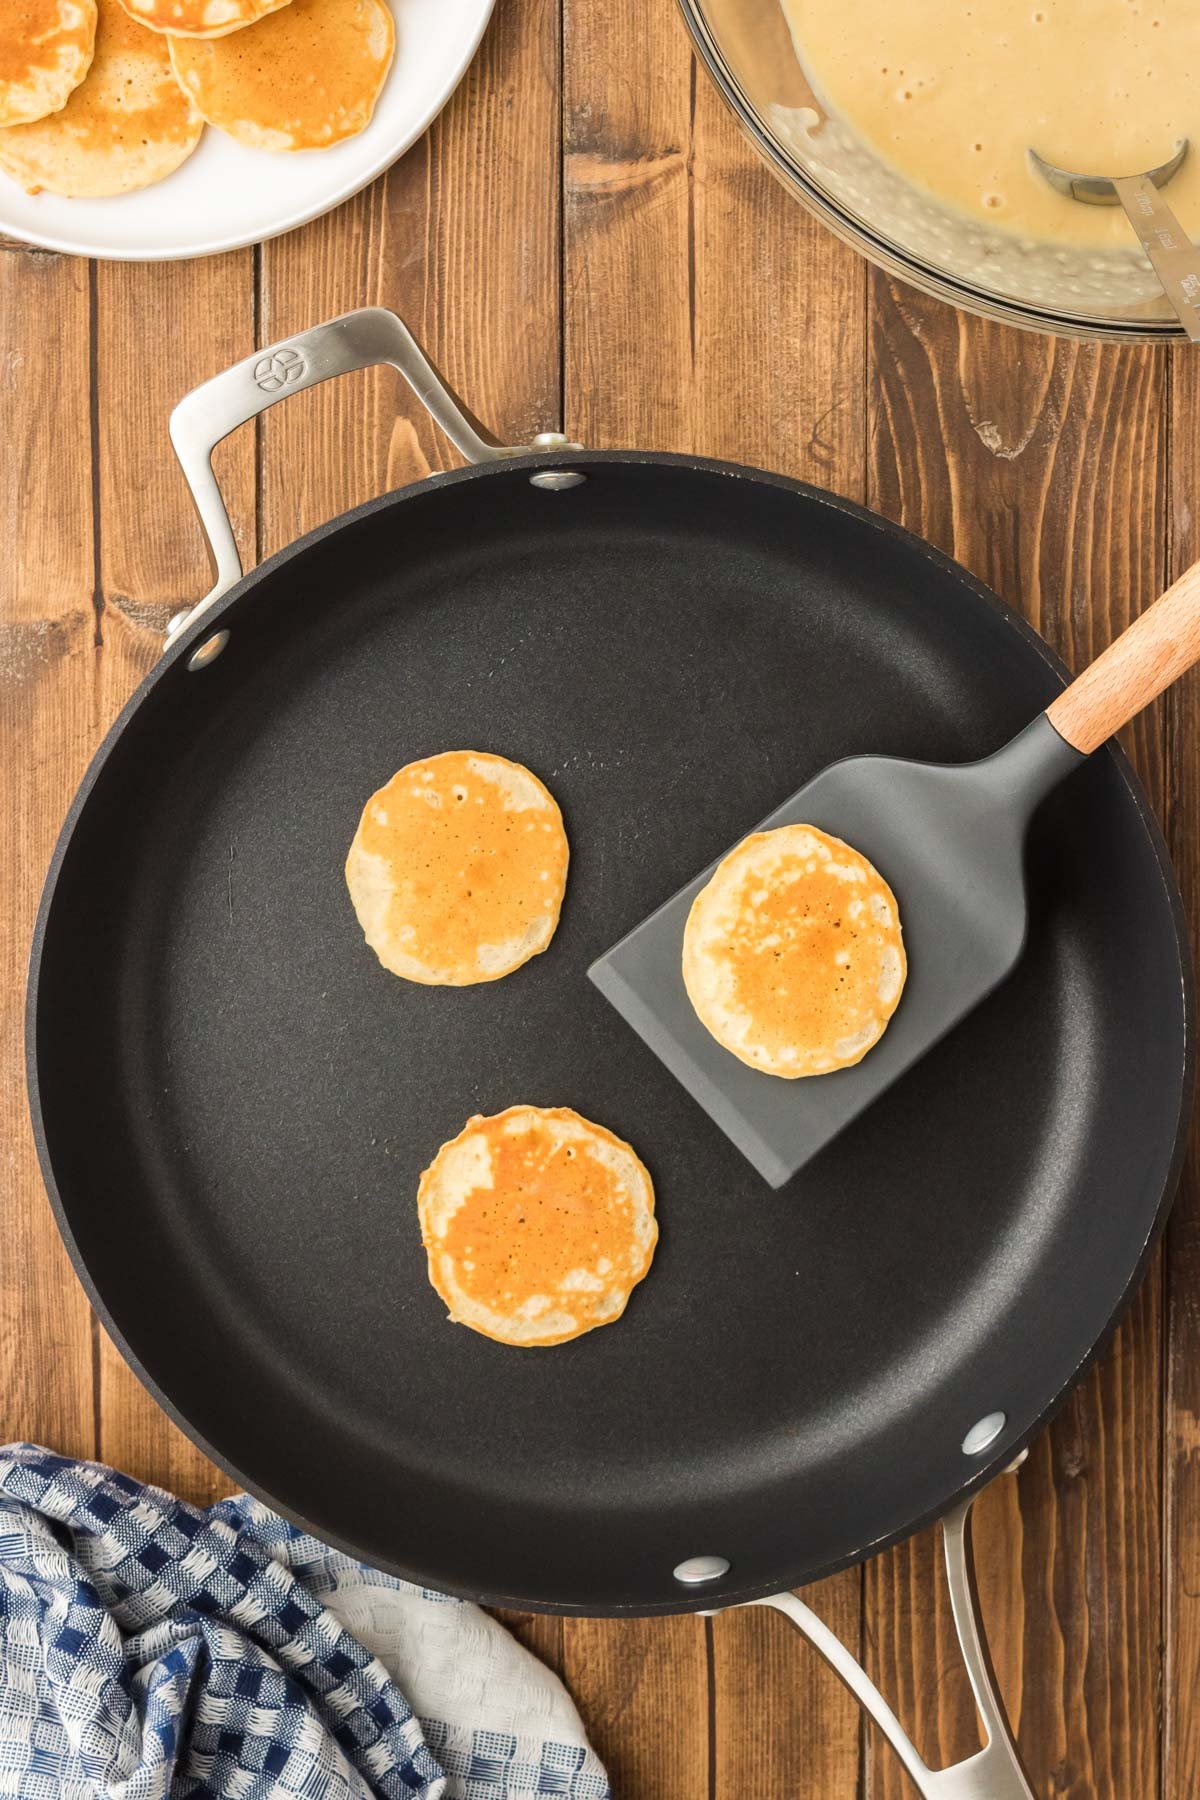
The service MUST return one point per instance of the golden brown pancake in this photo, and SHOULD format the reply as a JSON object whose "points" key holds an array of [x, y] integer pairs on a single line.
{"points": [[45, 51], [792, 953], [305, 78], [458, 868], [200, 18], [127, 125], [537, 1224]]}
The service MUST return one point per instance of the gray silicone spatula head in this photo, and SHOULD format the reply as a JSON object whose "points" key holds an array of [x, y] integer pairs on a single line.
{"points": [[949, 840]]}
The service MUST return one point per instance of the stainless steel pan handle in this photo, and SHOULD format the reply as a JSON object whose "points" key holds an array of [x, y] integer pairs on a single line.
{"points": [[993, 1773], [357, 340]]}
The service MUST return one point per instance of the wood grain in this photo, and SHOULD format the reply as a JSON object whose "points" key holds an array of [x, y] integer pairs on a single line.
{"points": [[1181, 1462], [1041, 465], [784, 1726], [47, 717], [1149, 656]]}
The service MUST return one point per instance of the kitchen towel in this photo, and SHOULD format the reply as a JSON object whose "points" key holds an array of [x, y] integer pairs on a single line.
{"points": [[151, 1648]]}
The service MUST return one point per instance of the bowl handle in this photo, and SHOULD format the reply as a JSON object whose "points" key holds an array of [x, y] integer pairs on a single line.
{"points": [[993, 1773], [355, 341]]}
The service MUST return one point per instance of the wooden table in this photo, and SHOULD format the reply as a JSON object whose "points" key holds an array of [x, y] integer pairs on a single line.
{"points": [[584, 240]]}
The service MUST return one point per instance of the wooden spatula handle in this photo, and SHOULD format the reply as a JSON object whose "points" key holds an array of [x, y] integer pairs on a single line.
{"points": [[1155, 651]]}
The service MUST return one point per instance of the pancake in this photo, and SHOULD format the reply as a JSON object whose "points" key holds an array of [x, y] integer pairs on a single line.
{"points": [[537, 1223], [46, 50], [307, 77], [200, 18], [127, 125], [458, 868], [792, 953]]}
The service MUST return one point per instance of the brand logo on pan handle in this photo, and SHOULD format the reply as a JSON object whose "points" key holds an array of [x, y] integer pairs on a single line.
{"points": [[278, 369]]}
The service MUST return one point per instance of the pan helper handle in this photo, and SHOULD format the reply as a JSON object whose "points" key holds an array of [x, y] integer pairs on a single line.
{"points": [[993, 1773], [1159, 647], [357, 340]]}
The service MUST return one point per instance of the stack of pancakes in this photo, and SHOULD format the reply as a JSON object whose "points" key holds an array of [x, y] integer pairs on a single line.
{"points": [[98, 97]]}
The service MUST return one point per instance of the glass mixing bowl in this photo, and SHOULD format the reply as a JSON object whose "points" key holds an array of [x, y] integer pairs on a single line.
{"points": [[748, 51]]}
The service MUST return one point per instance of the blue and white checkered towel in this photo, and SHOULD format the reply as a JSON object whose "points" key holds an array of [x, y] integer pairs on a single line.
{"points": [[150, 1648]]}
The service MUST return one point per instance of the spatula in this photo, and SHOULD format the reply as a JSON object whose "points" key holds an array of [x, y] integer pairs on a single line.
{"points": [[949, 839], [1173, 256]]}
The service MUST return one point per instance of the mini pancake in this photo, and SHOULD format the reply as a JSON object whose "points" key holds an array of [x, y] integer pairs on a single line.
{"points": [[307, 77], [458, 868], [46, 49], [792, 953], [200, 18], [537, 1223], [127, 125]]}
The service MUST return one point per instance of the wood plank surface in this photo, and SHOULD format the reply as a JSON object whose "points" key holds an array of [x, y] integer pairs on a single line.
{"points": [[1041, 466], [1181, 1462], [784, 1727], [584, 239], [48, 720]]}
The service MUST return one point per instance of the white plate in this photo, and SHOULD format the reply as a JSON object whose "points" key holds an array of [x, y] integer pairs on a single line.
{"points": [[225, 196]]}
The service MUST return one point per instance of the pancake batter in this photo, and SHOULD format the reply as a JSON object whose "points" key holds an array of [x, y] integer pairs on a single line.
{"points": [[952, 96]]}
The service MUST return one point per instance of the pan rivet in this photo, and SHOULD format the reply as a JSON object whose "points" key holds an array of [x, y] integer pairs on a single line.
{"points": [[984, 1433], [556, 481], [208, 651], [701, 1568]]}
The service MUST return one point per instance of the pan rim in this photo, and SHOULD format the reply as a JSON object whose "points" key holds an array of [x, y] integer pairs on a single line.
{"points": [[182, 645]]}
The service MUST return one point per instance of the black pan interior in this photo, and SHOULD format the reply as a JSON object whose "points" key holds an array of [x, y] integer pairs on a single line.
{"points": [[234, 1100]]}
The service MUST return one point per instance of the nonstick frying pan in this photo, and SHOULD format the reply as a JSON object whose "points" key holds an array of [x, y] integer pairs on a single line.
{"points": [[232, 1099]]}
